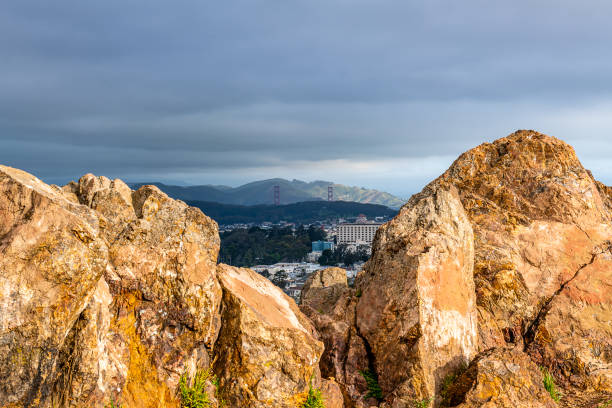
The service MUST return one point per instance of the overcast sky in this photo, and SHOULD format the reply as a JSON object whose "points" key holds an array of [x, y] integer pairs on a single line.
{"points": [[381, 94]]}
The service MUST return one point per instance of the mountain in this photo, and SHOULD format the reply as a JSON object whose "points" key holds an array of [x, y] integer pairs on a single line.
{"points": [[262, 192], [304, 212]]}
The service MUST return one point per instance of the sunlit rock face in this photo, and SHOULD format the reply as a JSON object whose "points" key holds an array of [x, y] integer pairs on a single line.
{"points": [[267, 354], [52, 256], [417, 311], [543, 266], [500, 378]]}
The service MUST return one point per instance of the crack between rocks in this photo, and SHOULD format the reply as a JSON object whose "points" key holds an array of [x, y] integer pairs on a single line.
{"points": [[529, 334]]}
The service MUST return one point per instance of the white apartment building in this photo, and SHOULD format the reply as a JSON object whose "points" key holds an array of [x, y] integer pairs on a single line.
{"points": [[357, 233]]}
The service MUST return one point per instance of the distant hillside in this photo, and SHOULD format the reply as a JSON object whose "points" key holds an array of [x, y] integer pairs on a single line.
{"points": [[262, 192], [300, 213]]}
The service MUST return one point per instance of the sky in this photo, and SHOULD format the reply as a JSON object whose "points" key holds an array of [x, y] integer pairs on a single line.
{"points": [[375, 93]]}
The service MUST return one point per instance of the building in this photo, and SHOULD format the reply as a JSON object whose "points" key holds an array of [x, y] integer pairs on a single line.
{"points": [[360, 232], [320, 246]]}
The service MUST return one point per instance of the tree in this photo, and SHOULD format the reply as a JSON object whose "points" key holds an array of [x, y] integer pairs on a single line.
{"points": [[316, 234], [265, 273], [280, 279]]}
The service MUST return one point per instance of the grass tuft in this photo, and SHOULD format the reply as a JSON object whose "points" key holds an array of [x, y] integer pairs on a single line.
{"points": [[374, 390], [424, 403], [447, 383], [193, 391], [314, 399], [549, 384]]}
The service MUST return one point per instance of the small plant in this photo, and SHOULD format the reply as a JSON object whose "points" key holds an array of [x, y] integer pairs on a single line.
{"points": [[549, 384], [193, 392], [606, 404], [358, 293], [374, 390], [447, 383], [314, 399], [112, 404], [424, 403]]}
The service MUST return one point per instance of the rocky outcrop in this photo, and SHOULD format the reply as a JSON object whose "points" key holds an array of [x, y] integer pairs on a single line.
{"points": [[110, 295], [417, 312], [503, 263], [267, 353], [542, 266]]}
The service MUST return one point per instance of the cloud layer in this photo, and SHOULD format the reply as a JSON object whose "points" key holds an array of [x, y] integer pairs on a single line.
{"points": [[383, 94]]}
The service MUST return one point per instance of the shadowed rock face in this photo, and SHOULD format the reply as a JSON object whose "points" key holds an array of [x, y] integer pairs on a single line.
{"points": [[330, 304], [110, 294]]}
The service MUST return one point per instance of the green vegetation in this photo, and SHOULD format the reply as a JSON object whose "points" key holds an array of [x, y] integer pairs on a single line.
{"points": [[549, 384], [314, 399], [605, 404], [448, 381], [253, 246], [192, 392], [112, 404], [424, 403], [358, 293], [374, 390], [342, 255], [306, 212]]}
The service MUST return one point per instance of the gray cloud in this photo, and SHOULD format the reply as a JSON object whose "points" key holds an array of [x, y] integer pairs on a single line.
{"points": [[377, 93]]}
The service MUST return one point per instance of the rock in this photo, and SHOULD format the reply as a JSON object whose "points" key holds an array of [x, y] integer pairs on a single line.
{"points": [[543, 268], [267, 353], [332, 396], [323, 288], [108, 294], [51, 259], [162, 257], [417, 311], [330, 304], [500, 378]]}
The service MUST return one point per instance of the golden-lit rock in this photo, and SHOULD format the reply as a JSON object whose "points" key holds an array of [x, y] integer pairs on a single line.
{"points": [[51, 259], [417, 311], [543, 265], [267, 354], [499, 378]]}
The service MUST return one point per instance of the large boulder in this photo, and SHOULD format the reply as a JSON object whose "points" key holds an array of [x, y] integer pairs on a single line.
{"points": [[417, 311], [267, 353], [542, 267]]}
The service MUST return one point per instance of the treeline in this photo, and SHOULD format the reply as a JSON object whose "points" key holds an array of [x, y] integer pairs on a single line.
{"points": [[342, 255], [306, 212], [254, 246]]}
